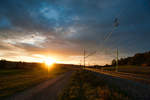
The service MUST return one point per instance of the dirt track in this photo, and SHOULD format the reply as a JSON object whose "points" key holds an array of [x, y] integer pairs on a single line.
{"points": [[47, 90]]}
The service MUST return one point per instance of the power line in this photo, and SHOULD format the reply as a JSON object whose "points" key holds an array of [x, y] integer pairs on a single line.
{"points": [[84, 56], [90, 54]]}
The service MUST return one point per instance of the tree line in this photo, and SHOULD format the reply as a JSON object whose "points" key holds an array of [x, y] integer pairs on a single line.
{"points": [[4, 64], [140, 59]]}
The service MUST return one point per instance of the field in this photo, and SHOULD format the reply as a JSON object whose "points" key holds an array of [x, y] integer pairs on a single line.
{"points": [[85, 85], [130, 69], [16, 80]]}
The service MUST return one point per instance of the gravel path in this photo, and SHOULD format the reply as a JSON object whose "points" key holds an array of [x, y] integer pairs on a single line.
{"points": [[47, 90]]}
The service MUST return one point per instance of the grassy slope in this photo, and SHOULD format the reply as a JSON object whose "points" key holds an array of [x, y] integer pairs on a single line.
{"points": [[87, 86], [15, 80]]}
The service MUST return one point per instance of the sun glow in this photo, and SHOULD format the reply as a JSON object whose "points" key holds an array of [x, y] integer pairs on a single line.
{"points": [[49, 61]]}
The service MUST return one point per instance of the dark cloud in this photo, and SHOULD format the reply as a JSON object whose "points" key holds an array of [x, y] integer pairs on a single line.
{"points": [[69, 25]]}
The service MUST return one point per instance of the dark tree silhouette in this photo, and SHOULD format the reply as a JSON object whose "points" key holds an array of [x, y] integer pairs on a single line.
{"points": [[138, 59]]}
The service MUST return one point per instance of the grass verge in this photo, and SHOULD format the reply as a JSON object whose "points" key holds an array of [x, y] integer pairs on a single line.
{"points": [[85, 85]]}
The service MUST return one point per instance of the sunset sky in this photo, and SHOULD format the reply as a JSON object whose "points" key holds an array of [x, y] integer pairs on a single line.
{"points": [[31, 30]]}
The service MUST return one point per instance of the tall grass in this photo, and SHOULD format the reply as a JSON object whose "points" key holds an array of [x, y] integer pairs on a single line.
{"points": [[85, 85]]}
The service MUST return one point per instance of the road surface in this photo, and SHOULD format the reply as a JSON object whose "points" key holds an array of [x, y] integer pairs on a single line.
{"points": [[47, 90]]}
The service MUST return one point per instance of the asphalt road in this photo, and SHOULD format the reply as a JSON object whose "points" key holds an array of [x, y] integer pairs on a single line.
{"points": [[47, 90], [134, 86]]}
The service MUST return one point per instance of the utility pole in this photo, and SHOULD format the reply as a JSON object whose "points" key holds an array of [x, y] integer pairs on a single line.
{"points": [[80, 63], [85, 55], [117, 61], [88, 64], [84, 58]]}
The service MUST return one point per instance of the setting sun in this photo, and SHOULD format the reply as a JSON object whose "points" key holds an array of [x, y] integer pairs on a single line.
{"points": [[49, 61]]}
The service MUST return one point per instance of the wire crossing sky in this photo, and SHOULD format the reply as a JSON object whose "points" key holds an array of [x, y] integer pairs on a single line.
{"points": [[32, 29]]}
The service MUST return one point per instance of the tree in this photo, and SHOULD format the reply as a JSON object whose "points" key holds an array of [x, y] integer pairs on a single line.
{"points": [[114, 62]]}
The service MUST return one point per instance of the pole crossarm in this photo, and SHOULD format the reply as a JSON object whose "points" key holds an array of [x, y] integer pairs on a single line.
{"points": [[90, 54]]}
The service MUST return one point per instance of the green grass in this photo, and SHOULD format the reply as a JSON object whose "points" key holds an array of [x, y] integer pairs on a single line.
{"points": [[85, 85], [16, 80]]}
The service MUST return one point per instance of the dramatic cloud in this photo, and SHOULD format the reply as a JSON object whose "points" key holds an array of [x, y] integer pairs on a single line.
{"points": [[62, 28]]}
